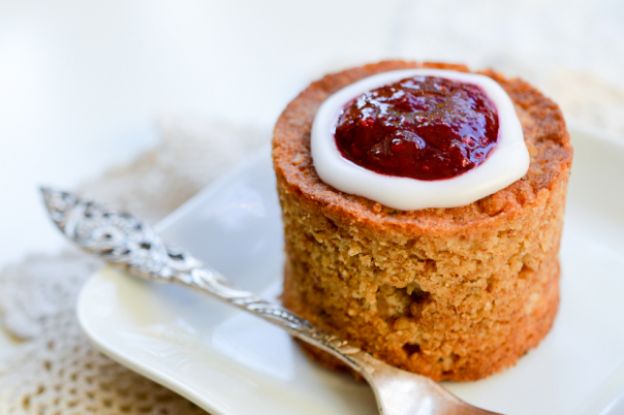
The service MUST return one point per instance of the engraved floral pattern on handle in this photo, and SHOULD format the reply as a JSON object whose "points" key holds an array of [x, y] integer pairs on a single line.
{"points": [[126, 242]]}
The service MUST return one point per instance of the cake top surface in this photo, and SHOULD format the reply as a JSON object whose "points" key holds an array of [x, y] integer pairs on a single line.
{"points": [[542, 123], [419, 138]]}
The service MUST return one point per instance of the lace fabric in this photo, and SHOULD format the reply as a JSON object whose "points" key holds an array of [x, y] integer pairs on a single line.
{"points": [[56, 370]]}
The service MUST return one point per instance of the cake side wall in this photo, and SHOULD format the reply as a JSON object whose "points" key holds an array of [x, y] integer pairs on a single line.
{"points": [[456, 307]]}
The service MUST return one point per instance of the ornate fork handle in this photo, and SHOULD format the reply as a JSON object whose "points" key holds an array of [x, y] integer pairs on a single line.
{"points": [[125, 241]]}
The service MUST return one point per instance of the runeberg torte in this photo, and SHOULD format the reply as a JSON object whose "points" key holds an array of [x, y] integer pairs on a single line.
{"points": [[452, 293]]}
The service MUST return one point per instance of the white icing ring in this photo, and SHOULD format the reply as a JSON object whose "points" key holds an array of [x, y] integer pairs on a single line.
{"points": [[508, 161]]}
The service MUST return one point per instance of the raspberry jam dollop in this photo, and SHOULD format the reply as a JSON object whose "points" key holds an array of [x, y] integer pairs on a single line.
{"points": [[423, 127]]}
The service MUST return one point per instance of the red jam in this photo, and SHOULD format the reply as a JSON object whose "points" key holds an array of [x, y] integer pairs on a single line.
{"points": [[424, 127]]}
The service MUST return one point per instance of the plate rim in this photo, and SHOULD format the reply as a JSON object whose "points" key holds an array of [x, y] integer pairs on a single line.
{"points": [[112, 352]]}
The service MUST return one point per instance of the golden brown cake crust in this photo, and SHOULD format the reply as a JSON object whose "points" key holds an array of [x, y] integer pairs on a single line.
{"points": [[545, 134], [451, 293]]}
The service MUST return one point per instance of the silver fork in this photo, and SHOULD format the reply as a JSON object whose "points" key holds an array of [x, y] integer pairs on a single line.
{"points": [[126, 242]]}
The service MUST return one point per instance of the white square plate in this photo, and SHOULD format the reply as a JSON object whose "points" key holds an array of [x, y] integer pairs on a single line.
{"points": [[231, 363]]}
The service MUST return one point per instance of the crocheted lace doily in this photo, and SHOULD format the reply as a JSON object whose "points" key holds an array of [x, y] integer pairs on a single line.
{"points": [[56, 370]]}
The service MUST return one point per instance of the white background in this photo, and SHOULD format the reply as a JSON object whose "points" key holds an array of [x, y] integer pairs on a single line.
{"points": [[82, 83]]}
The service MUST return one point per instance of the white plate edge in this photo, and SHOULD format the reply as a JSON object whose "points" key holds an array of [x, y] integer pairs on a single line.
{"points": [[118, 356]]}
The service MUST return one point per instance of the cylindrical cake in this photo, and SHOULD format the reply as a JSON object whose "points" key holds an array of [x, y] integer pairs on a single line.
{"points": [[452, 293]]}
